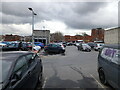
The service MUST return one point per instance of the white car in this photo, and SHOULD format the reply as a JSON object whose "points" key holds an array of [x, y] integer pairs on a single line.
{"points": [[98, 46], [77, 44], [84, 47]]}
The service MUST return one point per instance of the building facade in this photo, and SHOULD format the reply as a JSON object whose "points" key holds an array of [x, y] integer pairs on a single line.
{"points": [[12, 37], [97, 34], [42, 36], [68, 38], [112, 36]]}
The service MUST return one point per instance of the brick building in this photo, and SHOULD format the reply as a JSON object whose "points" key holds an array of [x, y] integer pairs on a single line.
{"points": [[68, 38], [97, 34], [12, 37]]}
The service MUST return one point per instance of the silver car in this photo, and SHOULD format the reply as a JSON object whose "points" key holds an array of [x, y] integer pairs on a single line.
{"points": [[98, 46], [84, 47]]}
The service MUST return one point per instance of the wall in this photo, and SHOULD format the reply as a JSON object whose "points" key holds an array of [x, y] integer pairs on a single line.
{"points": [[112, 36], [42, 34]]}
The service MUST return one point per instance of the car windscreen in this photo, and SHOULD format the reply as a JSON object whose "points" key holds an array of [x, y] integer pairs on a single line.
{"points": [[5, 69]]}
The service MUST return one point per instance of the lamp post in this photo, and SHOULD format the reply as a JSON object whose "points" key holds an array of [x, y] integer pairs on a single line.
{"points": [[32, 26]]}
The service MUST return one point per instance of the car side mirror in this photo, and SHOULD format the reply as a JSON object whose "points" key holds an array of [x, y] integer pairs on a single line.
{"points": [[13, 81], [16, 76], [31, 60]]}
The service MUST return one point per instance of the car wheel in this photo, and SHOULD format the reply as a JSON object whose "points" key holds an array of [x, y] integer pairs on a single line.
{"points": [[39, 83], [98, 49], [88, 50], [95, 49], [46, 51], [40, 79], [102, 77]]}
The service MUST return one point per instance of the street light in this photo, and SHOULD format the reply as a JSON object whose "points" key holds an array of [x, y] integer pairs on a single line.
{"points": [[32, 26]]}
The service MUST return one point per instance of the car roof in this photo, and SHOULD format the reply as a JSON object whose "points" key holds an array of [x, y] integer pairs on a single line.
{"points": [[115, 46], [13, 55]]}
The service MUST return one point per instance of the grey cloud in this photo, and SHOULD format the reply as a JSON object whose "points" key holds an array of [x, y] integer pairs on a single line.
{"points": [[74, 15], [88, 7]]}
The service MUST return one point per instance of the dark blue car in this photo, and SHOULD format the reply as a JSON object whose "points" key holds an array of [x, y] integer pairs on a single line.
{"points": [[54, 48]]}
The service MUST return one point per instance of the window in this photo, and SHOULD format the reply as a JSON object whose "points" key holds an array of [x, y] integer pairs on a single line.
{"points": [[21, 65], [30, 59], [53, 45], [29, 56], [116, 58]]}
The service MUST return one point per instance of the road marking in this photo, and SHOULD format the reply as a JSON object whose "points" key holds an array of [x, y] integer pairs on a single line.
{"points": [[44, 82], [97, 81]]}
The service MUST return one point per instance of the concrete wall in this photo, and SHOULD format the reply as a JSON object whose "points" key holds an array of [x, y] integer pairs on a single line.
{"points": [[112, 36], [45, 34]]}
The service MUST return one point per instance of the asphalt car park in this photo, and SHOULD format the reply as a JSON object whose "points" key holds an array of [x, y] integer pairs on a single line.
{"points": [[75, 69]]}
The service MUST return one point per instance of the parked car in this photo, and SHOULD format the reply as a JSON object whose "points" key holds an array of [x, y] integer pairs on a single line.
{"points": [[6, 42], [64, 44], [39, 44], [20, 69], [11, 47], [2, 44], [92, 44], [54, 48], [98, 46], [69, 44], [84, 47], [109, 65], [27, 46], [61, 44], [77, 44]]}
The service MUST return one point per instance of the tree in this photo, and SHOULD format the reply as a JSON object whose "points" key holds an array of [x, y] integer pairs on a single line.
{"points": [[84, 34], [57, 36]]}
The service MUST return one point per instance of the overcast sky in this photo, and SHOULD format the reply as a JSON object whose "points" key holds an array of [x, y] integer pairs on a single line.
{"points": [[69, 18]]}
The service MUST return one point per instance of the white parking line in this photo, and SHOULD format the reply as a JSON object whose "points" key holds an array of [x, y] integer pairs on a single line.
{"points": [[97, 81], [44, 82]]}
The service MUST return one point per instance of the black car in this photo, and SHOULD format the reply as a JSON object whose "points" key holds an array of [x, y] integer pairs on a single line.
{"points": [[92, 44], [54, 48], [64, 44], [20, 69], [69, 44], [26, 46], [11, 47]]}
